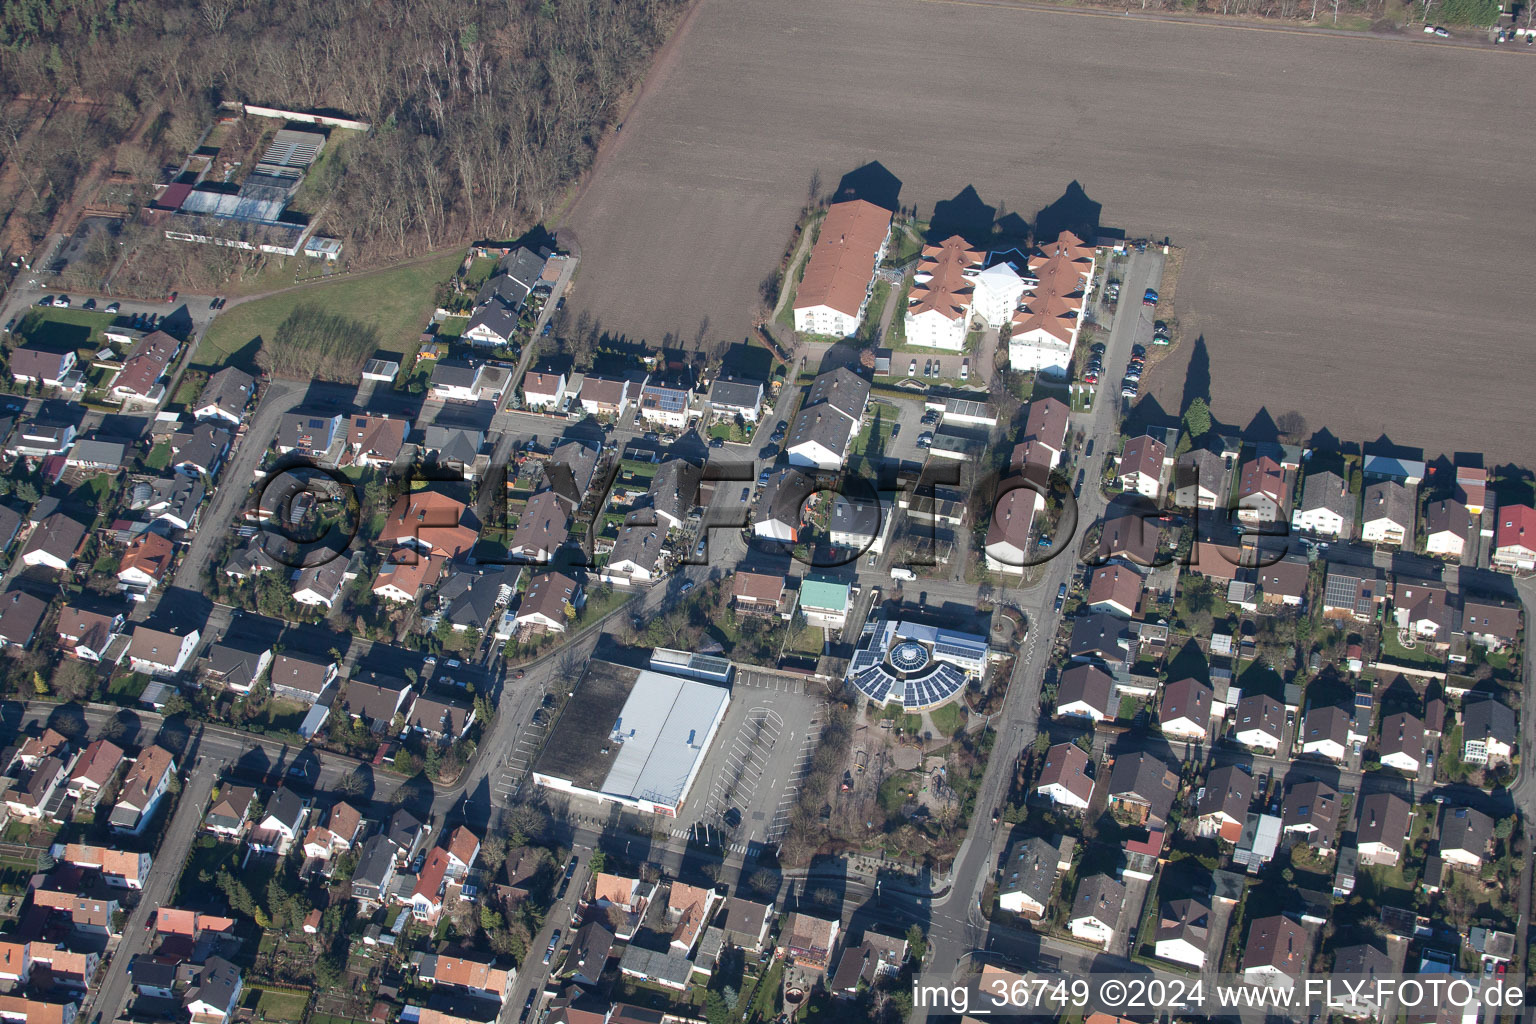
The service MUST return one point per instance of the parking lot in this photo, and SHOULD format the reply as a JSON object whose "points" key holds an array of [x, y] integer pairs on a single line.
{"points": [[759, 755]]}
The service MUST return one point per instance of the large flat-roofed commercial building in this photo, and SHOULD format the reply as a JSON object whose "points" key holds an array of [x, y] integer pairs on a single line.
{"points": [[633, 737]]}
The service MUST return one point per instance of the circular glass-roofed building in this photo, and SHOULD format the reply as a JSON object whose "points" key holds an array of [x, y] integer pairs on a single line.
{"points": [[916, 666]]}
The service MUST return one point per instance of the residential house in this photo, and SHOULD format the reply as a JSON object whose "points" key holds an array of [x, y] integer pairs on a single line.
{"points": [[757, 593], [747, 923], [123, 869], [145, 564], [37, 439], [238, 662], [541, 529], [430, 522], [1326, 731], [1222, 807], [1353, 592], [663, 406], [637, 551], [1008, 535], [1383, 832], [376, 699], [1493, 622], [54, 544], [1050, 313], [441, 719], [601, 396], [689, 909], [1046, 424], [570, 470], [453, 448], [1065, 780], [1277, 952], [808, 941], [33, 364], [1263, 491], [311, 434], [281, 824], [938, 312], [1472, 488], [833, 292], [463, 849], [1129, 538], [1116, 590], [95, 454], [1488, 731], [303, 679], [159, 652], [1327, 508], [319, 586], [1514, 538], [201, 451], [861, 967], [375, 871], [999, 288], [826, 425], [1284, 582], [1311, 810], [1448, 526], [549, 605], [589, 954], [1142, 464], [673, 493], [146, 782], [456, 380], [407, 574], [21, 615], [824, 602], [1185, 710], [171, 500], [230, 812], [1097, 909], [376, 441], [1183, 932], [214, 995], [469, 599], [1085, 691], [1142, 789], [543, 390], [1466, 837], [140, 378], [1259, 722], [1402, 742], [777, 515], [629, 896], [36, 792], [225, 397], [1200, 480], [94, 771], [1028, 876], [1423, 609], [1388, 516], [427, 898], [730, 398]]}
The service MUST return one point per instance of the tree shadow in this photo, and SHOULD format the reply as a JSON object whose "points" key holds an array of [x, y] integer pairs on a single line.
{"points": [[1197, 376]]}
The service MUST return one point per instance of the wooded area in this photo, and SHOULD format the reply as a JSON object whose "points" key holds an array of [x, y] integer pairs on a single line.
{"points": [[483, 113]]}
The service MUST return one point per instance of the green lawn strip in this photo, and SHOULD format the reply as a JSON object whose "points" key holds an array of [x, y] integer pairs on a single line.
{"points": [[397, 303]]}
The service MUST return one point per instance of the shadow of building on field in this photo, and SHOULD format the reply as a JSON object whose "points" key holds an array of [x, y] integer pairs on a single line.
{"points": [[1074, 211], [1262, 428], [1148, 412], [964, 215], [1515, 485], [873, 183]]}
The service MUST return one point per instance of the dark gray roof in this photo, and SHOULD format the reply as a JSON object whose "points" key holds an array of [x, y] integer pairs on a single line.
{"points": [[1384, 818], [1326, 723], [1465, 828], [1087, 683], [1099, 635], [674, 488], [1328, 490], [471, 598], [570, 469], [496, 316], [843, 390], [640, 540], [1362, 958], [235, 661], [376, 699], [823, 425], [20, 615], [404, 829], [1186, 919], [286, 806], [230, 390], [1099, 897], [735, 394], [453, 444], [1312, 803], [453, 373], [216, 983], [1389, 500], [1486, 717], [782, 497], [1145, 778], [373, 862], [1030, 868]]}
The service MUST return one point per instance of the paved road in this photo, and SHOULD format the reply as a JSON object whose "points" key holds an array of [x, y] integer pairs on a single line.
{"points": [[159, 886]]}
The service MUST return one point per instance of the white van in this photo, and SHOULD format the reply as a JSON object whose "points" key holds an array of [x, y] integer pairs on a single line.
{"points": [[902, 573]]}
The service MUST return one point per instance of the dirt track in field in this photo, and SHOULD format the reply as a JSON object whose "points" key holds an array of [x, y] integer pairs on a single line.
{"points": [[1354, 209]]}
